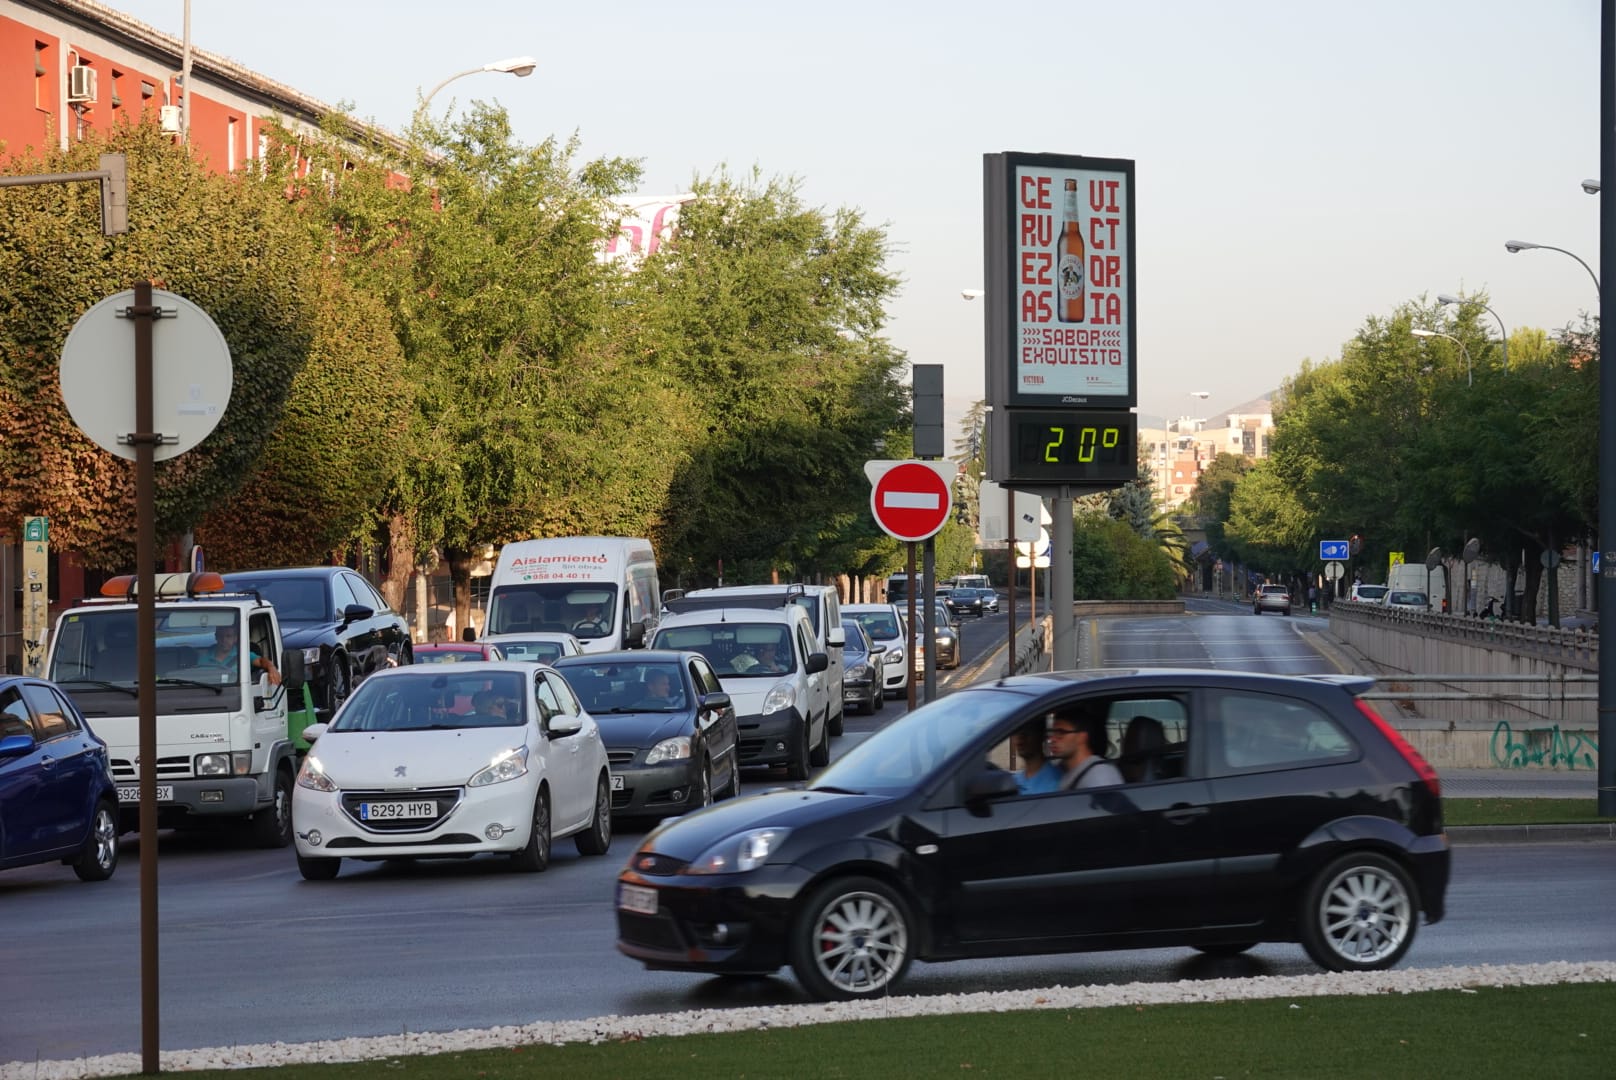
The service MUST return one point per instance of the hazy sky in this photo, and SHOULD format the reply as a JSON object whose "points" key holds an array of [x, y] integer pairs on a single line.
{"points": [[1300, 165]]}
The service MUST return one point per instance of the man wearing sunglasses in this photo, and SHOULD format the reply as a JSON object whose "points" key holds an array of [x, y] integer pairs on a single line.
{"points": [[1077, 741]]}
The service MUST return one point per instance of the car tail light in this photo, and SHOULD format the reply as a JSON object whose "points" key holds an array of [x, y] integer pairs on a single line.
{"points": [[1421, 767]]}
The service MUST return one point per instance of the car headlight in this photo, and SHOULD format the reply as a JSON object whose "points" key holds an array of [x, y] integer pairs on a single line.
{"points": [[675, 749], [507, 765], [237, 763], [312, 776], [311, 656], [858, 671], [738, 854], [894, 654], [783, 696]]}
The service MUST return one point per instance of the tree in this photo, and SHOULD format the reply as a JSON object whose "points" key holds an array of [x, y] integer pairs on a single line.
{"points": [[233, 245], [770, 312]]}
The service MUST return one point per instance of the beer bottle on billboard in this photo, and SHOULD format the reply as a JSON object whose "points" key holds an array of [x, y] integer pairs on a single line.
{"points": [[1069, 261]]}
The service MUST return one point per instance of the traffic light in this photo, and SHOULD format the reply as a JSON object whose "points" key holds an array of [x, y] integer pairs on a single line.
{"points": [[114, 194]]}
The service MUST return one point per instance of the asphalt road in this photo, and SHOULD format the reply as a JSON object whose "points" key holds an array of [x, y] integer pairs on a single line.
{"points": [[251, 953]]}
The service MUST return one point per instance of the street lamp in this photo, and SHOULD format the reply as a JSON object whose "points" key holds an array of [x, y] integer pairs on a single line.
{"points": [[1514, 246], [1469, 372], [1447, 298], [520, 66]]}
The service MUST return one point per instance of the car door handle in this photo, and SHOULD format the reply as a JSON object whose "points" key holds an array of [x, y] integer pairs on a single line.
{"points": [[1178, 815], [47, 762]]}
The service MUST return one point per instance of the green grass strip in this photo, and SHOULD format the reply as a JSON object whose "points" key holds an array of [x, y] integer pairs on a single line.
{"points": [[1521, 812], [1538, 1031]]}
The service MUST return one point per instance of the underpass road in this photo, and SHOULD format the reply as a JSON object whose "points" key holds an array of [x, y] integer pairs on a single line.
{"points": [[252, 953]]}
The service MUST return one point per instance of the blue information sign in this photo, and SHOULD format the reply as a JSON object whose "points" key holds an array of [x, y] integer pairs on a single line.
{"points": [[1332, 549]]}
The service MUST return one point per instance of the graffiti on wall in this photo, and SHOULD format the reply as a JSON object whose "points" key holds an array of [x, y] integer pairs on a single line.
{"points": [[1543, 747]]}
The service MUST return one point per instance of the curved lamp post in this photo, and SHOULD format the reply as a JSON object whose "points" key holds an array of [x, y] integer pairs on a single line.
{"points": [[1469, 370], [520, 66], [1515, 246], [1448, 298]]}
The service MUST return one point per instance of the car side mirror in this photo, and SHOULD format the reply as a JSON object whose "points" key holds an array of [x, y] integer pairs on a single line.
{"points": [[836, 638], [355, 612], [817, 662], [16, 745], [314, 731], [634, 635], [985, 788], [563, 724], [877, 650], [293, 672], [717, 701]]}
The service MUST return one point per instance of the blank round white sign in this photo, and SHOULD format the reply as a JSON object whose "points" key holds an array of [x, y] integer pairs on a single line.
{"points": [[191, 374]]}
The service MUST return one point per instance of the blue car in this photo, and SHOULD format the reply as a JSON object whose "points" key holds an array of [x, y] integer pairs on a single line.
{"points": [[57, 798]]}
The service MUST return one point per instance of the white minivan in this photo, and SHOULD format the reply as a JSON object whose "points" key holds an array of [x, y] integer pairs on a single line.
{"points": [[824, 609], [603, 590], [775, 675]]}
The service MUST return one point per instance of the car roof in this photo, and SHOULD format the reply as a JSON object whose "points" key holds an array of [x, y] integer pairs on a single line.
{"points": [[857, 608], [1125, 678], [627, 656], [707, 616], [426, 671], [290, 571]]}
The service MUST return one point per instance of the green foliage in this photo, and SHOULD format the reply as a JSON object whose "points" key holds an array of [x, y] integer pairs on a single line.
{"points": [[769, 312], [1111, 561], [232, 245]]}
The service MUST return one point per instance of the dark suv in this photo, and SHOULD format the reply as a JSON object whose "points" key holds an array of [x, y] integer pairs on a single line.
{"points": [[1235, 809], [338, 620]]}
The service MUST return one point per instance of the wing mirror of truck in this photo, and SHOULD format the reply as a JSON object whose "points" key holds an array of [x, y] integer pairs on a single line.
{"points": [[836, 638], [293, 672], [634, 635]]}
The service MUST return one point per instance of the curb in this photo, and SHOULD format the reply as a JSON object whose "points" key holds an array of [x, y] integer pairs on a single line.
{"points": [[1465, 835]]}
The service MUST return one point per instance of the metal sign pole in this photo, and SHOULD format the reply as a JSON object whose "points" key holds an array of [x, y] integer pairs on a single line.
{"points": [[145, 439], [909, 657], [1010, 562]]}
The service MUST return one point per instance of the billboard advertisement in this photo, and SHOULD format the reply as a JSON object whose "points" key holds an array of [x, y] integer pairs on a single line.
{"points": [[1060, 285]]}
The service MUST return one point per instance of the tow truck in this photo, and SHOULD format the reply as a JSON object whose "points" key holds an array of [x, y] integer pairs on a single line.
{"points": [[229, 740]]}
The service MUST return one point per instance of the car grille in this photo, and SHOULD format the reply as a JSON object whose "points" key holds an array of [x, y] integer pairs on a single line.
{"points": [[618, 758], [168, 768], [445, 798], [652, 931], [352, 842], [622, 797]]}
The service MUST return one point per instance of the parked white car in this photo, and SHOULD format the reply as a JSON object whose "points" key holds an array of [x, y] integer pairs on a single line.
{"points": [[432, 761], [538, 646], [886, 625]]}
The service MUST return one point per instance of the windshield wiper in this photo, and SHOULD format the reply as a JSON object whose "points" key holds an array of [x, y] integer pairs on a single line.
{"points": [[837, 791], [101, 684], [215, 687], [632, 709]]}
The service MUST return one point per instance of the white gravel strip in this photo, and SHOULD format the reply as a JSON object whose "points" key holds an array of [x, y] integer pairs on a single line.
{"points": [[700, 1021]]}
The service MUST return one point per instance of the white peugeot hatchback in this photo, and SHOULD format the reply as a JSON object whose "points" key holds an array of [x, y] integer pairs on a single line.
{"points": [[453, 760]]}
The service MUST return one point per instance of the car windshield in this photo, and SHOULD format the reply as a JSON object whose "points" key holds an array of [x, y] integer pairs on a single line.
{"points": [[751, 650], [448, 656], [1371, 592], [194, 643], [295, 599], [539, 652], [914, 747], [855, 637], [583, 609], [1416, 598], [434, 701], [618, 687], [880, 625]]}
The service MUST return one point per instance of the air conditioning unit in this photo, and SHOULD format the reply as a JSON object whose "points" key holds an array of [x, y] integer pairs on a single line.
{"points": [[81, 84], [169, 119]]}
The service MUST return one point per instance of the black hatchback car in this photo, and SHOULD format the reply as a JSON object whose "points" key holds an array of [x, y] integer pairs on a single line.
{"points": [[1253, 808], [669, 728], [341, 624]]}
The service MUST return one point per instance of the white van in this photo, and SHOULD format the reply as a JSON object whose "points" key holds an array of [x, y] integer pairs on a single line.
{"points": [[821, 602], [1414, 577], [781, 696], [603, 590]]}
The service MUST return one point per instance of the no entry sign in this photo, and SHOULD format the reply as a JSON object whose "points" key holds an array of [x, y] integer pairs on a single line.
{"points": [[911, 500]]}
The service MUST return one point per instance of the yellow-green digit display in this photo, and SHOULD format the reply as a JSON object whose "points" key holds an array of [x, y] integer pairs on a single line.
{"points": [[1087, 446]]}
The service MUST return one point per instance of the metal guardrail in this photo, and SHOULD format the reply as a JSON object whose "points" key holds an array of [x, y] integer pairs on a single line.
{"points": [[1580, 644], [1548, 681]]}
